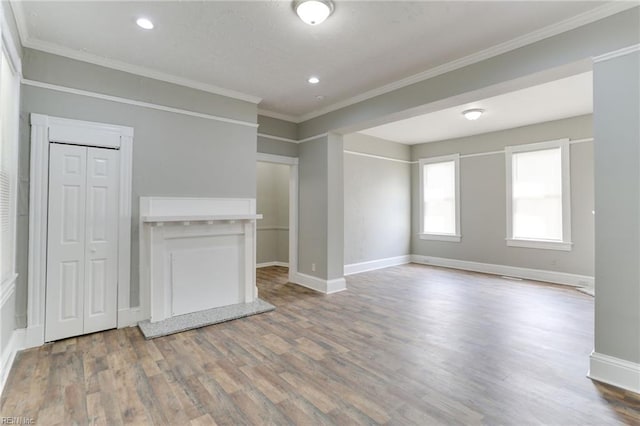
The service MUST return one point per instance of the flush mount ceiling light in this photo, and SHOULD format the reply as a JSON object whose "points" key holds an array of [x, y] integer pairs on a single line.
{"points": [[313, 80], [144, 23], [472, 114], [313, 12]]}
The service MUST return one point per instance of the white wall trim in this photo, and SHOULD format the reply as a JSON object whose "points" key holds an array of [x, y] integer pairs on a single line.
{"points": [[133, 102], [616, 53], [273, 228], [614, 371], [318, 284], [565, 278], [44, 130], [379, 157], [310, 138], [371, 265], [516, 43], [276, 138], [16, 343], [276, 159], [274, 263], [32, 43], [278, 115]]}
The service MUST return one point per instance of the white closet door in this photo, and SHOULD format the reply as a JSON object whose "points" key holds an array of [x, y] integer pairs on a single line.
{"points": [[66, 242], [101, 264], [82, 248]]}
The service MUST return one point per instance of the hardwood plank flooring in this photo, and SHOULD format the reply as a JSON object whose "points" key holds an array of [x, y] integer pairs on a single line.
{"points": [[405, 345]]}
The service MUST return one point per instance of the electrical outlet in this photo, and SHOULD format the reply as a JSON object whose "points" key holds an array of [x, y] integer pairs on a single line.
{"points": [[313, 267]]}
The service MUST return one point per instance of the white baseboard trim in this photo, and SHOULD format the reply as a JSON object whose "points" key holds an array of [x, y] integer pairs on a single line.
{"points": [[129, 317], [614, 371], [318, 284], [275, 263], [510, 271], [16, 343], [356, 268], [34, 336]]}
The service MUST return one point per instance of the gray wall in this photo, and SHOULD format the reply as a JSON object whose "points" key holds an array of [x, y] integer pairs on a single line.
{"points": [[321, 208], [483, 205], [272, 202], [280, 129], [377, 199], [617, 171], [173, 154]]}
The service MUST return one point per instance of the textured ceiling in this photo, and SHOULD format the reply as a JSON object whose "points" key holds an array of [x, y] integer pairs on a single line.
{"points": [[262, 49]]}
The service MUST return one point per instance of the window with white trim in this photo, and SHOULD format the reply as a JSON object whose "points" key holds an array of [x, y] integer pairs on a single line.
{"points": [[440, 198], [538, 195], [9, 119]]}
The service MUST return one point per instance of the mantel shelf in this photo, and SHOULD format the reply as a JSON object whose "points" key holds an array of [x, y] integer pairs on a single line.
{"points": [[228, 217]]}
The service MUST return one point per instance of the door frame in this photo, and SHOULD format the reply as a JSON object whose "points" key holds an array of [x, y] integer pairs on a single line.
{"points": [[293, 205], [45, 130]]}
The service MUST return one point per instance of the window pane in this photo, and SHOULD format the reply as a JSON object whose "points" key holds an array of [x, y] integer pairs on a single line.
{"points": [[537, 195], [439, 198]]}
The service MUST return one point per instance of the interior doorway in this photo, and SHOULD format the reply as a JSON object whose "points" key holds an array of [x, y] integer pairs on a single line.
{"points": [[277, 201]]}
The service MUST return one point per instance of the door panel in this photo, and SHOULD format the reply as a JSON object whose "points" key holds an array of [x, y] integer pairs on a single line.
{"points": [[101, 271], [82, 248], [66, 241]]}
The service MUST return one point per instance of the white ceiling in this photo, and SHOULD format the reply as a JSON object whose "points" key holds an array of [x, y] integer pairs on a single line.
{"points": [[262, 49], [567, 97]]}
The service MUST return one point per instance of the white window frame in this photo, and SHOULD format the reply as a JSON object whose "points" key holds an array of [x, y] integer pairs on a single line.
{"points": [[457, 236], [566, 243]]}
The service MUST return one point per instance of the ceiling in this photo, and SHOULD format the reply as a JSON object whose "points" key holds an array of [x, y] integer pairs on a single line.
{"points": [[261, 49], [567, 97]]}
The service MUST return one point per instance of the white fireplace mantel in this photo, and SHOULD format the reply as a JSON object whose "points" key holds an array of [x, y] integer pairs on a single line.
{"points": [[196, 254]]}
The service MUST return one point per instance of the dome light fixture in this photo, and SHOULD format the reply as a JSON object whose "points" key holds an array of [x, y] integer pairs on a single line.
{"points": [[313, 80], [144, 23], [313, 12], [472, 114]]}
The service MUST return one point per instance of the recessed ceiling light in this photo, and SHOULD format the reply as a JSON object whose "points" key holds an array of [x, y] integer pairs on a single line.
{"points": [[144, 23], [473, 114], [313, 12], [313, 80]]}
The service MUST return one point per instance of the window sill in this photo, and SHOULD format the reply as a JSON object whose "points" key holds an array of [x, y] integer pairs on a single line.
{"points": [[441, 237], [541, 244]]}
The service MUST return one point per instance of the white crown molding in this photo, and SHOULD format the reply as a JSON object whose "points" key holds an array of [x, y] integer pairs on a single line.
{"points": [[134, 102], [137, 70], [32, 43], [616, 53], [566, 25], [278, 115], [574, 22], [8, 43]]}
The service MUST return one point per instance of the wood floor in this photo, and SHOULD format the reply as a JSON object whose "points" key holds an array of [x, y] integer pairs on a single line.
{"points": [[406, 345]]}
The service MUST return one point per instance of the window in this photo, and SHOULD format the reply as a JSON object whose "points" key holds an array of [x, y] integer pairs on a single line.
{"points": [[9, 98], [538, 197], [440, 198]]}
